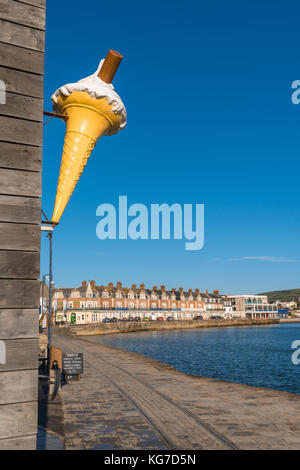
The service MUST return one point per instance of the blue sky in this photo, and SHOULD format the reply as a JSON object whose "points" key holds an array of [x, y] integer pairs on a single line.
{"points": [[207, 88]]}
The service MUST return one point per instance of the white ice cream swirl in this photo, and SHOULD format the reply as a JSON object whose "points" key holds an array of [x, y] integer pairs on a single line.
{"points": [[96, 88]]}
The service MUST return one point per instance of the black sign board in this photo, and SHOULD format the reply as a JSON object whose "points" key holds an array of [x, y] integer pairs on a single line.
{"points": [[72, 363], [71, 378]]}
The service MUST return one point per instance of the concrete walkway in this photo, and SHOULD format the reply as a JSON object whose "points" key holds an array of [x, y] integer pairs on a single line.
{"points": [[127, 401]]}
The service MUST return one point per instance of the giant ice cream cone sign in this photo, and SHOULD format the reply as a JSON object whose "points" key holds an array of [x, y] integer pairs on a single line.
{"points": [[92, 109]]}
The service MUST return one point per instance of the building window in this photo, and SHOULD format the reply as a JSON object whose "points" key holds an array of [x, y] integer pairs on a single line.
{"points": [[131, 305]]}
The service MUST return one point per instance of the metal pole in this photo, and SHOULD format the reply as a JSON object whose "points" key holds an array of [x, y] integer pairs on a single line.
{"points": [[43, 286], [50, 298], [42, 304]]}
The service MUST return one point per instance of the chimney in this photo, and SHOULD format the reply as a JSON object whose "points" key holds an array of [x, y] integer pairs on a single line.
{"points": [[84, 284], [163, 288], [93, 283], [142, 286], [190, 291], [181, 290], [173, 290], [119, 285], [206, 292], [216, 292], [133, 286], [110, 284], [154, 288], [197, 291]]}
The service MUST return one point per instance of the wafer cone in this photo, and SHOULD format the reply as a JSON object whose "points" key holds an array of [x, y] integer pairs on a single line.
{"points": [[88, 120]]}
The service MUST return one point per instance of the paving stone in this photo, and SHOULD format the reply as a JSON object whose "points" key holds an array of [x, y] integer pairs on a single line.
{"points": [[127, 401]]}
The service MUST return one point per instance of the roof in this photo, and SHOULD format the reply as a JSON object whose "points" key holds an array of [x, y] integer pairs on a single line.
{"points": [[112, 290]]}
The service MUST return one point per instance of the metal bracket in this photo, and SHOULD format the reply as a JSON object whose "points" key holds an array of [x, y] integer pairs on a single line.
{"points": [[47, 221], [54, 115]]}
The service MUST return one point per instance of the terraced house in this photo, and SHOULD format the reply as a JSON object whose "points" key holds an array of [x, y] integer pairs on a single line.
{"points": [[90, 303]]}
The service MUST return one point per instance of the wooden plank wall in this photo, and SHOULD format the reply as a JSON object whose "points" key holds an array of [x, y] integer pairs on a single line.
{"points": [[22, 44]]}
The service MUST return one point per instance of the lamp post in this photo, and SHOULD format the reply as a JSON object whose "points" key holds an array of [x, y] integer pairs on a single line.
{"points": [[42, 303], [49, 230]]}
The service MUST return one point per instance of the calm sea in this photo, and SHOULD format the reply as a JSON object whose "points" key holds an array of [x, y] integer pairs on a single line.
{"points": [[260, 356]]}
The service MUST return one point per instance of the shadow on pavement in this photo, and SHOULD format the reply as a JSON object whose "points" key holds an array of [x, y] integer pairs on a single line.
{"points": [[50, 418]]}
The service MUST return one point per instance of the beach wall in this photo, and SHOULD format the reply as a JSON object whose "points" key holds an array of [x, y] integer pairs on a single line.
{"points": [[290, 320], [22, 42], [129, 327]]}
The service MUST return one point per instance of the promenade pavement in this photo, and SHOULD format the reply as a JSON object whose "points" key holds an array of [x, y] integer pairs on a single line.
{"points": [[127, 401]]}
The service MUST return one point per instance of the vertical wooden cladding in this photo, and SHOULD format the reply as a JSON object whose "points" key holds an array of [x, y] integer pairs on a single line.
{"points": [[22, 43], [18, 386], [17, 419], [18, 323], [20, 35], [22, 24], [18, 443], [21, 354], [20, 293], [20, 131], [25, 210], [22, 13], [20, 157], [36, 3], [20, 58], [22, 83], [21, 237], [20, 183], [24, 107], [18, 264]]}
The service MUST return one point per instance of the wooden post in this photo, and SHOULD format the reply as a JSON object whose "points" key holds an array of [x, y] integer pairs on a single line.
{"points": [[22, 40]]}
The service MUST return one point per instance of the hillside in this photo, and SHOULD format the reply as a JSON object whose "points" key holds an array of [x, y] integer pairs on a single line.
{"points": [[283, 295]]}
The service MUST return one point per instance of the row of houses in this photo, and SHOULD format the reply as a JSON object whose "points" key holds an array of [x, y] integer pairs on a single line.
{"points": [[91, 303]]}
